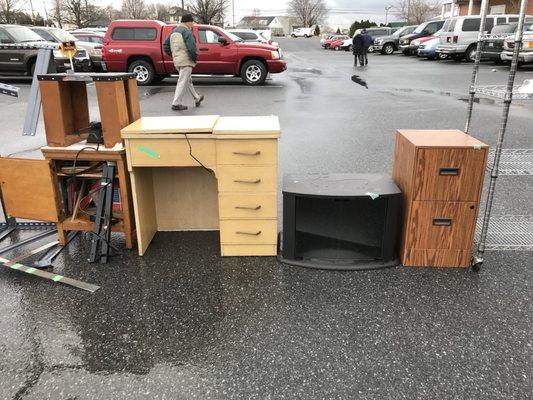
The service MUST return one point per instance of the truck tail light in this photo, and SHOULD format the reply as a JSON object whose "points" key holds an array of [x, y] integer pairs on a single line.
{"points": [[455, 39], [104, 53]]}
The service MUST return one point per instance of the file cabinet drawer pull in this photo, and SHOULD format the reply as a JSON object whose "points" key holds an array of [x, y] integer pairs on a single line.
{"points": [[449, 171], [248, 208], [249, 233], [242, 153], [442, 222], [254, 182]]}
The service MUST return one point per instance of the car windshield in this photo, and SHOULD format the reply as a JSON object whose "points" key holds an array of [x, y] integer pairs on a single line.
{"points": [[420, 28], [63, 36], [23, 34], [233, 37]]}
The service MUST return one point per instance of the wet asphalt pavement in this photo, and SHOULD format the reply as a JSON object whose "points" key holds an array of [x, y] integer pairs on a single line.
{"points": [[184, 323]]}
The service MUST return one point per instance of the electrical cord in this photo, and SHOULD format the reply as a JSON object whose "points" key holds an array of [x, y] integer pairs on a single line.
{"points": [[195, 159]]}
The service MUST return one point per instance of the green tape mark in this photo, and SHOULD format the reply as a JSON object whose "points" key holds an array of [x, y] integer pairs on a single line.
{"points": [[16, 266], [373, 196], [148, 151], [477, 146], [57, 278], [30, 270]]}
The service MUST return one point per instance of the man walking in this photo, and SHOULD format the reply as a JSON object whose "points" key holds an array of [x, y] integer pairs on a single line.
{"points": [[358, 47], [368, 41], [182, 47]]}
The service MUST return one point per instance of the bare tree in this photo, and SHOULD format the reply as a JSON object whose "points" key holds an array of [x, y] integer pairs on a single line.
{"points": [[256, 12], [8, 11], [416, 11], [58, 12], [209, 11], [308, 12], [159, 11], [135, 9]]}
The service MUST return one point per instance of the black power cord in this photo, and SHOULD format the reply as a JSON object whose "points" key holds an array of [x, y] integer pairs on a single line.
{"points": [[195, 159]]}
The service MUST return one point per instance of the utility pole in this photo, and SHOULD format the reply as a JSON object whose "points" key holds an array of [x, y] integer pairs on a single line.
{"points": [[387, 8], [233, 12], [408, 12]]}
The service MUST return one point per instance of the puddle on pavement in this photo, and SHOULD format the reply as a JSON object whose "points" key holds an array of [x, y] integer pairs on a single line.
{"points": [[360, 81], [478, 100]]}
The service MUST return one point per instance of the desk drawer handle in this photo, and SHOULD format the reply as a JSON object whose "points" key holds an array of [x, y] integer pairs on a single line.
{"points": [[249, 233], [442, 222], [255, 182], [239, 153], [248, 208], [449, 171]]}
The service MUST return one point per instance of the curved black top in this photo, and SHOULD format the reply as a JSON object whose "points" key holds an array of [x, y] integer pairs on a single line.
{"points": [[340, 185]]}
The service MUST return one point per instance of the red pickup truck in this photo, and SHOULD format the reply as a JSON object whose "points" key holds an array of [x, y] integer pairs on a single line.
{"points": [[137, 46]]}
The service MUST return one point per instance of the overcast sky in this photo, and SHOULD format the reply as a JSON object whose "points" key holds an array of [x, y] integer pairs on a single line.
{"points": [[342, 12]]}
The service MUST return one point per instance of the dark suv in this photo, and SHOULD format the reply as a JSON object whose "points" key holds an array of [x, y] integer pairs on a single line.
{"points": [[425, 29], [19, 57]]}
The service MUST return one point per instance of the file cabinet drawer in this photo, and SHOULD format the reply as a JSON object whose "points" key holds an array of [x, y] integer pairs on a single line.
{"points": [[249, 179], [171, 152], [247, 152], [247, 206], [441, 225], [449, 174], [248, 232]]}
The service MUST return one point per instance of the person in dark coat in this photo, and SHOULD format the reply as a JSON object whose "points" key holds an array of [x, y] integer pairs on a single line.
{"points": [[358, 48], [367, 42]]}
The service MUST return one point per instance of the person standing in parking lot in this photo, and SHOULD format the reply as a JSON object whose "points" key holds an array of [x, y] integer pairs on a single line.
{"points": [[358, 48], [182, 47], [367, 42]]}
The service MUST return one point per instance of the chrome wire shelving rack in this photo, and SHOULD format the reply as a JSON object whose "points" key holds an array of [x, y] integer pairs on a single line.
{"points": [[506, 232]]}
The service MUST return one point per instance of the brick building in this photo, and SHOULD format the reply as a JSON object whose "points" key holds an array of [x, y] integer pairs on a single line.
{"points": [[495, 7]]}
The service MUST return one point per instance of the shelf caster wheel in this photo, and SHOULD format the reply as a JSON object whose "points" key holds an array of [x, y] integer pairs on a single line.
{"points": [[476, 264]]}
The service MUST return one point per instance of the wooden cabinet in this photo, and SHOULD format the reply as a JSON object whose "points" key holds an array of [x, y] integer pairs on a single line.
{"points": [[440, 173]]}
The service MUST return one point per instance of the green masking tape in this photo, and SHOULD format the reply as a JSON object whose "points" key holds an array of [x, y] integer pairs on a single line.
{"points": [[30, 270], [57, 278], [149, 152], [373, 196], [16, 266], [477, 146]]}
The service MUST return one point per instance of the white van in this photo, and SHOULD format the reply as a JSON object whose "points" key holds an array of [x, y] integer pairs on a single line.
{"points": [[459, 34], [303, 32]]}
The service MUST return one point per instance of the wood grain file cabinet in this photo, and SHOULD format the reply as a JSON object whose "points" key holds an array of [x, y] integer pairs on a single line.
{"points": [[206, 173], [440, 173]]}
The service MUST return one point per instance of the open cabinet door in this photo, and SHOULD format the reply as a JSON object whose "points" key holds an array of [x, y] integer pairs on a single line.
{"points": [[28, 190]]}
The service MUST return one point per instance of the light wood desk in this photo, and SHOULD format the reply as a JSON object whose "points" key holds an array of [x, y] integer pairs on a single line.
{"points": [[235, 191]]}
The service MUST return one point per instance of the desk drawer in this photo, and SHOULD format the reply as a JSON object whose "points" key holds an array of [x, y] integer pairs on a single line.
{"points": [[247, 152], [449, 174], [441, 225], [248, 206], [249, 231], [248, 179], [171, 152]]}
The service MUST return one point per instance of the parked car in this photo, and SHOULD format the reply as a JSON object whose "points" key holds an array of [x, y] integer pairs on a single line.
{"points": [[303, 32], [424, 29], [22, 61], [337, 44], [249, 35], [428, 49], [415, 44], [375, 33], [137, 46], [325, 38], [459, 35], [332, 39], [391, 43], [526, 51], [88, 56], [88, 36], [493, 47]]}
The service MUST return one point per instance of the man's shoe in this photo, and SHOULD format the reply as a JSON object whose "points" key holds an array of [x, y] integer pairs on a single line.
{"points": [[179, 107], [199, 101]]}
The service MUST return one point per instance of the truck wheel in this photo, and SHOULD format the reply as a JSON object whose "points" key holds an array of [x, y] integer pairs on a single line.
{"points": [[254, 72], [388, 49], [144, 72], [470, 54]]}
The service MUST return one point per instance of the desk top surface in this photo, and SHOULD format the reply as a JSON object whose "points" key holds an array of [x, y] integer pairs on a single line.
{"points": [[208, 125], [187, 124], [440, 138], [76, 147]]}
